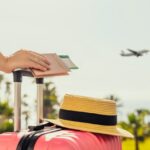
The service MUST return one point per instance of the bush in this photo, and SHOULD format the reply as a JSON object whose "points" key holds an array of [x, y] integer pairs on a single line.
{"points": [[6, 126]]}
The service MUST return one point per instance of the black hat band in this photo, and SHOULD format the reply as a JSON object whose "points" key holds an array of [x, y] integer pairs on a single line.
{"points": [[88, 117]]}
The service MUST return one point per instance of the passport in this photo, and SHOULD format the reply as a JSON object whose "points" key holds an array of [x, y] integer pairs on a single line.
{"points": [[59, 65]]}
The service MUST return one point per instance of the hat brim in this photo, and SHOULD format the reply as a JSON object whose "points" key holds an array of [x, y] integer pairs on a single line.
{"points": [[109, 130]]}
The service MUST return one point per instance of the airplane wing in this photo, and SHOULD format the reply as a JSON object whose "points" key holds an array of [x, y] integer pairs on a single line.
{"points": [[132, 51]]}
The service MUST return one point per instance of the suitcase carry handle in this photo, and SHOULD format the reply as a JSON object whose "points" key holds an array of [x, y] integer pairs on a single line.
{"points": [[17, 76], [40, 126]]}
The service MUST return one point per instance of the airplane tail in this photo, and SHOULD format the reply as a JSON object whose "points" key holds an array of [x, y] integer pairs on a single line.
{"points": [[145, 51]]}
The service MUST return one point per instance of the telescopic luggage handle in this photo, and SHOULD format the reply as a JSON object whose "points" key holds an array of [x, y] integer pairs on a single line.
{"points": [[17, 76]]}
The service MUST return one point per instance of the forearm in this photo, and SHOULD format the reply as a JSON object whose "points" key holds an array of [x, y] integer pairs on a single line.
{"points": [[3, 62]]}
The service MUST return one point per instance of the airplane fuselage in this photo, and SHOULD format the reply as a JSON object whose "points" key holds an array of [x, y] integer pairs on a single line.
{"points": [[134, 53]]}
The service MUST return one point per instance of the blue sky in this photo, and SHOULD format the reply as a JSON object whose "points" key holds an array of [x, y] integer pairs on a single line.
{"points": [[92, 33]]}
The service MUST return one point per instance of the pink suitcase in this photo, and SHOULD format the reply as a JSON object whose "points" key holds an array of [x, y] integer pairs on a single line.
{"points": [[47, 137], [64, 140]]}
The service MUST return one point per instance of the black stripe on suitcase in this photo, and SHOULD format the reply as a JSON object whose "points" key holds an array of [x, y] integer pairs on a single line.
{"points": [[29, 140]]}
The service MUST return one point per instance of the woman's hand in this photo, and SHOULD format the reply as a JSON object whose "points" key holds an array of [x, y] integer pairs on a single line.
{"points": [[26, 59]]}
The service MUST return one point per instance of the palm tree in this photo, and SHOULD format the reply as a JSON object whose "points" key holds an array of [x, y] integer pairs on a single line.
{"points": [[136, 124], [1, 79], [6, 111], [116, 99], [6, 114], [25, 111], [7, 90], [143, 113], [50, 100]]}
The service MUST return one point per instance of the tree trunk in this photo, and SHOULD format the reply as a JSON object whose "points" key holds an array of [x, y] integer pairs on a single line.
{"points": [[136, 137]]}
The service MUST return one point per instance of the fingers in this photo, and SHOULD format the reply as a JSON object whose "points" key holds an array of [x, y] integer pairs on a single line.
{"points": [[40, 62], [36, 60], [40, 57], [36, 66]]}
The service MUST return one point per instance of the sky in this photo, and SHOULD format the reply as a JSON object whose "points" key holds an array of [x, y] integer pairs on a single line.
{"points": [[92, 33]]}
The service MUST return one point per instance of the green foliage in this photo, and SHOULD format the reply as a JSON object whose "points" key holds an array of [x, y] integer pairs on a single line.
{"points": [[6, 112], [137, 119], [116, 99], [6, 126], [125, 126], [50, 101], [5, 109], [136, 125], [129, 145]]}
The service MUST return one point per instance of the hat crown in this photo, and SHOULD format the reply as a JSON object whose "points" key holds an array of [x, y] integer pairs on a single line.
{"points": [[89, 105]]}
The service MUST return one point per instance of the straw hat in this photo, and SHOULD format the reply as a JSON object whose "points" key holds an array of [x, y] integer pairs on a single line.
{"points": [[89, 114]]}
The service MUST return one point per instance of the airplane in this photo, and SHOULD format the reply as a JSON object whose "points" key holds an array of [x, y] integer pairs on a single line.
{"points": [[134, 53]]}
